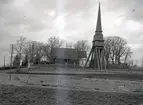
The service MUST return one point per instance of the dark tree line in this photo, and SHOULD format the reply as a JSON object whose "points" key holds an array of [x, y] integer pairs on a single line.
{"points": [[116, 49], [34, 51]]}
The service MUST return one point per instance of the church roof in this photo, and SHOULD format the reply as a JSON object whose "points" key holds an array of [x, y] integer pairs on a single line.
{"points": [[67, 53]]}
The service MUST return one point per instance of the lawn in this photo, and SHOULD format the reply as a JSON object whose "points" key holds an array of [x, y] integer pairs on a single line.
{"points": [[13, 95]]}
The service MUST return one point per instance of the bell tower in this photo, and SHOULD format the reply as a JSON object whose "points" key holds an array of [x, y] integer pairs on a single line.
{"points": [[96, 56]]}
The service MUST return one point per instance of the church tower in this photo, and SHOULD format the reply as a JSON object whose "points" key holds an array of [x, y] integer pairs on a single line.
{"points": [[96, 58]]}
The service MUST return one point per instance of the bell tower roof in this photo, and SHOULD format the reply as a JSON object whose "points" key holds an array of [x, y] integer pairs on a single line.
{"points": [[98, 37], [99, 25]]}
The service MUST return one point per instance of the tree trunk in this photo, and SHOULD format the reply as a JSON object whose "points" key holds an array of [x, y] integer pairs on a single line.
{"points": [[119, 62], [107, 60], [18, 66], [116, 59], [112, 60]]}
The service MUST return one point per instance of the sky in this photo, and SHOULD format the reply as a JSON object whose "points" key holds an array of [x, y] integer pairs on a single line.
{"points": [[70, 20]]}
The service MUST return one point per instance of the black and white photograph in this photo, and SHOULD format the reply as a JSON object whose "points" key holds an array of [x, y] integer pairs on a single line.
{"points": [[71, 52]]}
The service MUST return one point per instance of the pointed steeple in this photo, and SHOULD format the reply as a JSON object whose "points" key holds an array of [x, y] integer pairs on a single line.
{"points": [[99, 25]]}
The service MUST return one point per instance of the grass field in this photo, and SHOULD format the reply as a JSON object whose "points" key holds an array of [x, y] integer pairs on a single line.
{"points": [[12, 95], [56, 82]]}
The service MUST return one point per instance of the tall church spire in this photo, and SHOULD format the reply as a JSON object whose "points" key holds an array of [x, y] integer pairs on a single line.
{"points": [[96, 57], [99, 25]]}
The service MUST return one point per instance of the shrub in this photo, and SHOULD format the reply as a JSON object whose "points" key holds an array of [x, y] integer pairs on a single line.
{"points": [[7, 68]]}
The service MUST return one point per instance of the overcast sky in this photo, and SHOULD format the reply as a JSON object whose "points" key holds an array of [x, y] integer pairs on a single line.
{"points": [[71, 20]]}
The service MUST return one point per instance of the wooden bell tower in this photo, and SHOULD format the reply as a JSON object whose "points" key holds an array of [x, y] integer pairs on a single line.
{"points": [[96, 58]]}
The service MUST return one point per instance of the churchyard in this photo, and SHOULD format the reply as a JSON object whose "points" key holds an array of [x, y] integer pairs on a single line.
{"points": [[66, 86]]}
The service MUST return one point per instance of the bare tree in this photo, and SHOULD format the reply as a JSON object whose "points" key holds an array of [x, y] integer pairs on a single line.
{"points": [[142, 63], [116, 48], [39, 51], [108, 48], [19, 46], [130, 63], [120, 46], [30, 50], [47, 51], [82, 45], [69, 45], [53, 42], [127, 54], [110, 51], [136, 63], [35, 51]]}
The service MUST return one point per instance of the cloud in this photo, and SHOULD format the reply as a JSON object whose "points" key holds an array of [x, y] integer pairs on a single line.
{"points": [[72, 20], [131, 9]]}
